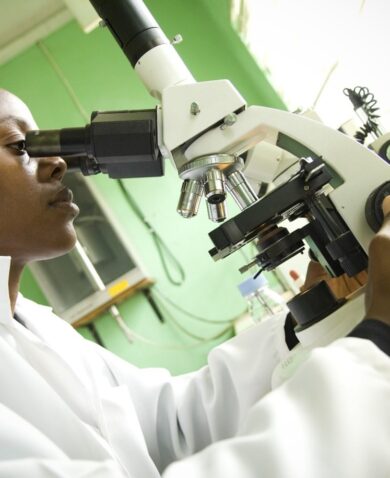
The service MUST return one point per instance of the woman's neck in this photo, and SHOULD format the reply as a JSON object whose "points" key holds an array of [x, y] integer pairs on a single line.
{"points": [[15, 274]]}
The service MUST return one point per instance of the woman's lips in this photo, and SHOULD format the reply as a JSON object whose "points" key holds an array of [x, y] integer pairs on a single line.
{"points": [[64, 200], [64, 195]]}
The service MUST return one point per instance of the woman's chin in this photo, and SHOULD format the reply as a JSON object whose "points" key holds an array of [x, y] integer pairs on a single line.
{"points": [[57, 247]]}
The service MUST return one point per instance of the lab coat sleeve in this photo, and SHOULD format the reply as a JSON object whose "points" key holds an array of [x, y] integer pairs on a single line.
{"points": [[182, 415], [330, 419], [26, 452], [39, 468]]}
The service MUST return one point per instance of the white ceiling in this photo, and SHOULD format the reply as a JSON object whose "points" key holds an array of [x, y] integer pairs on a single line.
{"points": [[24, 22], [20, 16]]}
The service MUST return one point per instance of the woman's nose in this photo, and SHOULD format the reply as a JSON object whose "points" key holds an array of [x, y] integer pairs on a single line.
{"points": [[52, 168]]}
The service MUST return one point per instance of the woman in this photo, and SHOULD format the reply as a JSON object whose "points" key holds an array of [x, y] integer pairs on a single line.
{"points": [[71, 409]]}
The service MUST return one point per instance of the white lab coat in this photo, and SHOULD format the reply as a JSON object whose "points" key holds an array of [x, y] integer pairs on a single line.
{"points": [[71, 409]]}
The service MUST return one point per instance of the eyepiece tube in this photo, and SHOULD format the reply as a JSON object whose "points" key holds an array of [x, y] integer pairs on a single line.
{"points": [[153, 57], [69, 143], [132, 25], [122, 144], [56, 142], [40, 144]]}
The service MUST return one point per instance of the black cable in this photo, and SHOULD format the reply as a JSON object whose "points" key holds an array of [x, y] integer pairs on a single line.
{"points": [[260, 271], [163, 250], [95, 334], [285, 169], [361, 97], [153, 305]]}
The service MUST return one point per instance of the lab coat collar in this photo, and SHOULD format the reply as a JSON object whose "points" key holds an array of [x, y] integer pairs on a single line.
{"points": [[5, 304], [6, 316]]}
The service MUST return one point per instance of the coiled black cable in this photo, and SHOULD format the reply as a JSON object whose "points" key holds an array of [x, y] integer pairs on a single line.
{"points": [[361, 97]]}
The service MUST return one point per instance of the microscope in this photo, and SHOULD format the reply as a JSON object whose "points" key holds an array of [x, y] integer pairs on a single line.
{"points": [[213, 137]]}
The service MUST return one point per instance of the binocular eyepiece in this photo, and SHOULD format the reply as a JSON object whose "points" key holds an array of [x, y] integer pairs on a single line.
{"points": [[122, 144], [69, 143]]}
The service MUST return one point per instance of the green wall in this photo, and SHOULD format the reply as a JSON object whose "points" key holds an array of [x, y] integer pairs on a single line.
{"points": [[102, 79]]}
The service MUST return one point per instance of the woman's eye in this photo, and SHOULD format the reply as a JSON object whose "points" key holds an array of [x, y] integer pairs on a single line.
{"points": [[19, 147]]}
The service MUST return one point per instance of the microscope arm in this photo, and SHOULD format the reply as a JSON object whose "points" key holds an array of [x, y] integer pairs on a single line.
{"points": [[359, 170]]}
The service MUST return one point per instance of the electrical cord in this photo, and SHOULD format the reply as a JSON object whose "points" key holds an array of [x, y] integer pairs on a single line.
{"points": [[164, 253], [361, 97], [193, 336], [172, 346], [133, 336], [191, 314]]}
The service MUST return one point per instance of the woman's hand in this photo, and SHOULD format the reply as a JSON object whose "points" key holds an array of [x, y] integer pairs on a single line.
{"points": [[378, 287], [341, 286]]}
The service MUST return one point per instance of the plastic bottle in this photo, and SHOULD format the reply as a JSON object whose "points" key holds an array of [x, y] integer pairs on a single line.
{"points": [[262, 301]]}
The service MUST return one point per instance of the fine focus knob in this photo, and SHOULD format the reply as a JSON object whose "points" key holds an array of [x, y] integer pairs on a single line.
{"points": [[373, 210]]}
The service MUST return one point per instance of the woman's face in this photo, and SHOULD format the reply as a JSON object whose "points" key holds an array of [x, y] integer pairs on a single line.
{"points": [[36, 210]]}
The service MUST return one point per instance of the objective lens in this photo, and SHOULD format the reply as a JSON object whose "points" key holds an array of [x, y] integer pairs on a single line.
{"points": [[216, 212], [240, 189], [191, 193], [214, 188]]}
